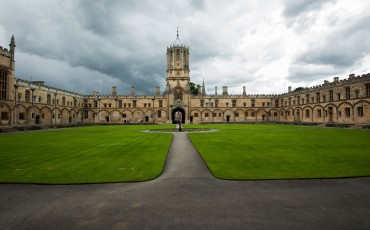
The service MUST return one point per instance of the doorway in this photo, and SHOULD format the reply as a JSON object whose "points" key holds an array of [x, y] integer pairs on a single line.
{"points": [[227, 118], [178, 114]]}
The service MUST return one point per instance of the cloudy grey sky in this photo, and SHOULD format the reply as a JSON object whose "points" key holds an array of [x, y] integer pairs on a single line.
{"points": [[91, 45]]}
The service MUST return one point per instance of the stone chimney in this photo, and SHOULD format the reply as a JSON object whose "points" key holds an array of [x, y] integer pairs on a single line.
{"points": [[224, 91], [215, 90], [289, 89], [244, 93], [132, 90], [352, 75], [114, 91], [157, 91], [336, 79]]}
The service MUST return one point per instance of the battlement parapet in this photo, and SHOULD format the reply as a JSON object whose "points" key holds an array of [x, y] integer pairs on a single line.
{"points": [[5, 52], [352, 79]]}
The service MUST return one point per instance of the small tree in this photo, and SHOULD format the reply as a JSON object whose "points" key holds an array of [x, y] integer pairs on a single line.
{"points": [[298, 89], [194, 88]]}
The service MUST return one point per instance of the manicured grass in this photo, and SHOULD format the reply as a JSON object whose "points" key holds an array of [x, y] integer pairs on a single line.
{"points": [[83, 155], [284, 151]]}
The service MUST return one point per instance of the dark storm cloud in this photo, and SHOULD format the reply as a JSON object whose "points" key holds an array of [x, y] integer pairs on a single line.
{"points": [[339, 51], [293, 8]]}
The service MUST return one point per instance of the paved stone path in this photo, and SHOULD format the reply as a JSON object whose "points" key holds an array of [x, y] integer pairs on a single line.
{"points": [[187, 196]]}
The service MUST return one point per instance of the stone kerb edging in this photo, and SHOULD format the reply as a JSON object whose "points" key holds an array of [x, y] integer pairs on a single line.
{"points": [[184, 130]]}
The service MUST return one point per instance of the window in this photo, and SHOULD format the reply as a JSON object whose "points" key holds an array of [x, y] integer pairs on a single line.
{"points": [[331, 95], [214, 114], [307, 98], [319, 113], [160, 104], [202, 103], [105, 105], [253, 114], [43, 115], [367, 90], [318, 97], [195, 114], [119, 103], [357, 93], [86, 114], [234, 103], [290, 101], [288, 113], [149, 105], [96, 104], [216, 103], [21, 116], [124, 115], [298, 100], [48, 99], [347, 112], [27, 96], [323, 98], [246, 114], [263, 104], [3, 85], [206, 114], [338, 95], [268, 104], [244, 104], [227, 104], [282, 113], [312, 100], [253, 103], [348, 92], [144, 105], [159, 114], [276, 103], [124, 105], [307, 113], [360, 111], [133, 104], [63, 101], [236, 114], [4, 116], [275, 114]]}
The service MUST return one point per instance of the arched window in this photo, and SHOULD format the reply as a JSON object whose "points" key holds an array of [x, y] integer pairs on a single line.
{"points": [[177, 54], [178, 94], [3, 85]]}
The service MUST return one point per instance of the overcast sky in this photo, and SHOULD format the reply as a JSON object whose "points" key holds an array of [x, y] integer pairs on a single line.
{"points": [[86, 45]]}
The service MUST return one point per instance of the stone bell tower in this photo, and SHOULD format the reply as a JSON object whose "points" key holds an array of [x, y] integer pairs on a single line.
{"points": [[178, 86], [177, 65]]}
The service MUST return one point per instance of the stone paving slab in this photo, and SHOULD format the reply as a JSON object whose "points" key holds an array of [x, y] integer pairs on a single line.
{"points": [[186, 196]]}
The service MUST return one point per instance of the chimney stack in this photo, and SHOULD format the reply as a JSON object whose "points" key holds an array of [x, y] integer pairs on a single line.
{"points": [[289, 89], [114, 91], [224, 91], [336, 79], [157, 91], [244, 93], [215, 90], [132, 90]]}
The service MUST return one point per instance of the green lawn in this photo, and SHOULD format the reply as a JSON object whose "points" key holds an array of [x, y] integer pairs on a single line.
{"points": [[284, 151], [83, 155]]}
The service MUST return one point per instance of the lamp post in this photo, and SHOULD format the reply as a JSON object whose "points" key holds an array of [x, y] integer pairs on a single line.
{"points": [[153, 99]]}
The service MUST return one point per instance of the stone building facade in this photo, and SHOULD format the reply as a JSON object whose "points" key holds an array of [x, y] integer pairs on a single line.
{"points": [[26, 103]]}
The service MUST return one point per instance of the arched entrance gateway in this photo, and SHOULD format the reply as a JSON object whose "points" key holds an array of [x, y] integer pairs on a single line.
{"points": [[178, 114]]}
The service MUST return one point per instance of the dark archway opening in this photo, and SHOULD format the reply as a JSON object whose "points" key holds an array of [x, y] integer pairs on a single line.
{"points": [[178, 114]]}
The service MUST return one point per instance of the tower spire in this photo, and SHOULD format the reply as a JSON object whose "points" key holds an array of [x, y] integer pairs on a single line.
{"points": [[177, 34], [203, 89]]}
